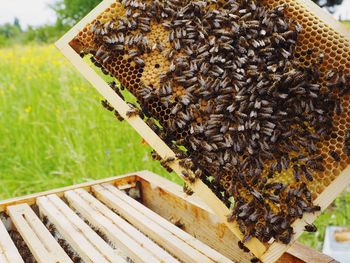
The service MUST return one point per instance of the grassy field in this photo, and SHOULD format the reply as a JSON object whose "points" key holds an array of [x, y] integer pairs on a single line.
{"points": [[347, 24], [54, 132]]}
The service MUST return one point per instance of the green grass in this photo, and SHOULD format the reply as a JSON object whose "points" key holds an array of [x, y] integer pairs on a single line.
{"points": [[53, 131], [347, 24]]}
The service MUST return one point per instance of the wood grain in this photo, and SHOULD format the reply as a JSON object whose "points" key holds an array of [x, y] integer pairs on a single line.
{"points": [[136, 245], [90, 246]]}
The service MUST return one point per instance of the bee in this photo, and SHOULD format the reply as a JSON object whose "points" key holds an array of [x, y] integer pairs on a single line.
{"points": [[165, 164], [312, 209], [106, 105], [296, 173], [243, 247], [187, 163], [254, 216], [257, 195], [189, 176], [167, 161], [114, 87], [187, 190], [155, 156], [307, 174], [320, 59], [290, 195], [286, 237], [331, 74], [310, 228], [308, 195], [134, 111], [118, 116], [334, 155], [315, 165], [139, 61]]}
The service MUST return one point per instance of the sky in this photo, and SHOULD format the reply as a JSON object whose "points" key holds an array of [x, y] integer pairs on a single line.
{"points": [[29, 12], [37, 12]]}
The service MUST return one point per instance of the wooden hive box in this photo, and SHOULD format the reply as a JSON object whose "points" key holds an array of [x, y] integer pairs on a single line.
{"points": [[321, 33], [139, 216]]}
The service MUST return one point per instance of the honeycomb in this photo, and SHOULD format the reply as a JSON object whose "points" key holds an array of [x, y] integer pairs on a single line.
{"points": [[318, 50]]}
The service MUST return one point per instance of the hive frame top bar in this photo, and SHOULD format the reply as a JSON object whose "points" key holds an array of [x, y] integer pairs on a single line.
{"points": [[266, 254]]}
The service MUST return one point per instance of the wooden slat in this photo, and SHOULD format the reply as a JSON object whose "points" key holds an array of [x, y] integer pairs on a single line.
{"points": [[122, 234], [8, 250], [41, 243], [303, 252], [169, 236], [127, 179], [90, 246]]}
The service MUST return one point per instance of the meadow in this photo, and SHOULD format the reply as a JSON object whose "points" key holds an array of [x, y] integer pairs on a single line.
{"points": [[54, 132], [53, 129]]}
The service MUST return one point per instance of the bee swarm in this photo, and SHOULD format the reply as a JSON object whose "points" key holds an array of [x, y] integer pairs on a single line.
{"points": [[261, 108]]}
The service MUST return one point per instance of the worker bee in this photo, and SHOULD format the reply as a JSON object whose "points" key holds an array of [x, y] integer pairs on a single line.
{"points": [[243, 247], [168, 161], [312, 209], [118, 116], [334, 155], [155, 156], [139, 61], [187, 190], [106, 105], [310, 228], [134, 111], [320, 58], [166, 166], [296, 173], [306, 172]]}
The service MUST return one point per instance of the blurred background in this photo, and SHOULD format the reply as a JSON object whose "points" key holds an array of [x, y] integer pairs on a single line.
{"points": [[53, 130]]}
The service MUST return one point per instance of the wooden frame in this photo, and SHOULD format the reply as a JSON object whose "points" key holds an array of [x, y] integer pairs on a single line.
{"points": [[8, 250], [158, 195], [116, 229], [40, 242], [265, 252]]}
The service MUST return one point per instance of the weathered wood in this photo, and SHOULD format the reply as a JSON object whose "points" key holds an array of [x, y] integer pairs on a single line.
{"points": [[185, 248], [90, 246], [41, 243], [8, 250], [124, 180], [136, 245]]}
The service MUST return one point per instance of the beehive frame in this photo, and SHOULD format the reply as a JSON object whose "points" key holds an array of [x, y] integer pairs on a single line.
{"points": [[266, 252], [157, 193]]}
